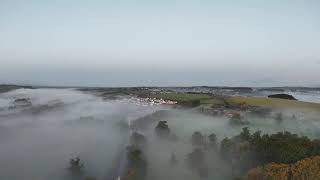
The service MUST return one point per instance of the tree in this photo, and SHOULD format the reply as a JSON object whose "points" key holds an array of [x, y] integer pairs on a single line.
{"points": [[162, 129], [305, 169], [173, 159], [197, 139], [270, 171], [137, 139], [245, 134], [226, 148], [237, 120], [196, 160], [213, 140], [76, 167], [136, 164]]}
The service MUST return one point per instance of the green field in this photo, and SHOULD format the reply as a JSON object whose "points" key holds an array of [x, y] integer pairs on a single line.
{"points": [[273, 102], [182, 96], [208, 100]]}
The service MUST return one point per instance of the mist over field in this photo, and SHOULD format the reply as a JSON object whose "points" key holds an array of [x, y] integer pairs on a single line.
{"points": [[38, 139], [37, 144], [159, 90]]}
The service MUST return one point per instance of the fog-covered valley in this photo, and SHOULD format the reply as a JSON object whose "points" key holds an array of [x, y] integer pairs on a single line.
{"points": [[37, 144], [41, 130]]}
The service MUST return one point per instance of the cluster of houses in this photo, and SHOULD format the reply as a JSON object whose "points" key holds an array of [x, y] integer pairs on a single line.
{"points": [[153, 101]]}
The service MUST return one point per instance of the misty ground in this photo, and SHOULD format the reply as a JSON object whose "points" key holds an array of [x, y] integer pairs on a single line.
{"points": [[40, 134]]}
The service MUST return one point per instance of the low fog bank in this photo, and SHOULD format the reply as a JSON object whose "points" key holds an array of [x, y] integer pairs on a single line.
{"points": [[169, 157], [41, 129]]}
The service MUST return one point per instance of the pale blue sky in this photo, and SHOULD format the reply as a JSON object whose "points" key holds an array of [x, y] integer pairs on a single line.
{"points": [[167, 42]]}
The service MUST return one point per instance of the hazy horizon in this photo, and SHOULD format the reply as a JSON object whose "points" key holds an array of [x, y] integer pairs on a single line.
{"points": [[160, 43]]}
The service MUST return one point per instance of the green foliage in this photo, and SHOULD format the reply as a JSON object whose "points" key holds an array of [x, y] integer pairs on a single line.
{"points": [[191, 103], [272, 102], [282, 147], [136, 164], [306, 169], [135, 155], [182, 96], [246, 150]]}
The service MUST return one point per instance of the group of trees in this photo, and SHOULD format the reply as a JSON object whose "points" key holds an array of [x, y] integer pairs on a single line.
{"points": [[138, 139], [76, 168], [283, 147], [236, 120], [306, 169], [247, 150], [136, 164], [196, 161], [190, 103], [282, 155], [200, 140], [148, 120], [136, 168]]}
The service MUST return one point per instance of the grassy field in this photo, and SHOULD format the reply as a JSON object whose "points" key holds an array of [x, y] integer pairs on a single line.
{"points": [[207, 100], [187, 99], [272, 102], [182, 96]]}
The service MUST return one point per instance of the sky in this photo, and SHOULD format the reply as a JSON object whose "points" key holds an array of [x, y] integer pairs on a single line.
{"points": [[160, 43]]}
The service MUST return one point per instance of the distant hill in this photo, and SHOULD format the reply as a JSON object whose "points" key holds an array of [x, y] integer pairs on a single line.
{"points": [[9, 87]]}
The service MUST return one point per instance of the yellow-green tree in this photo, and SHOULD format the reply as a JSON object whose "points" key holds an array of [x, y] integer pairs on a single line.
{"points": [[306, 169]]}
